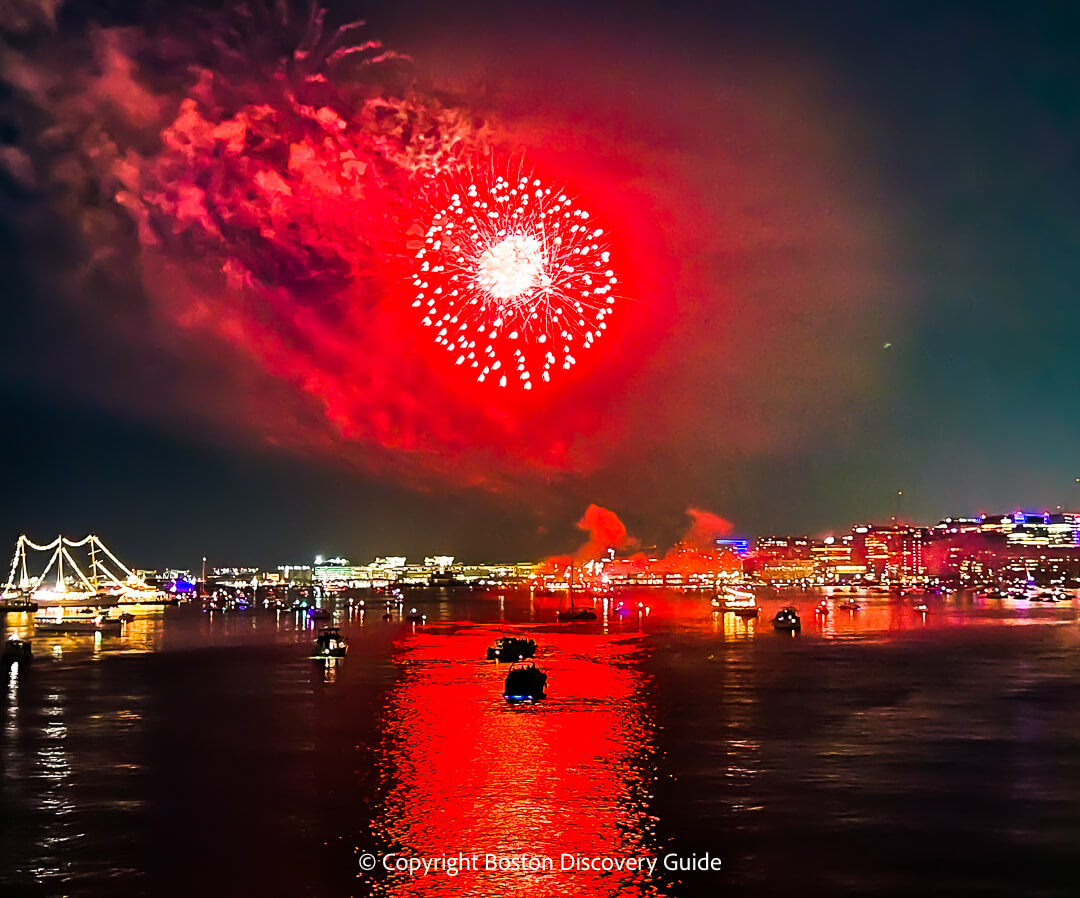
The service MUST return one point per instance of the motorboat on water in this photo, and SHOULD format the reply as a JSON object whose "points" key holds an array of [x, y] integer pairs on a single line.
{"points": [[17, 651], [787, 619], [849, 605], [524, 682], [319, 614], [921, 608], [329, 644], [511, 648], [415, 617], [822, 608], [82, 620]]}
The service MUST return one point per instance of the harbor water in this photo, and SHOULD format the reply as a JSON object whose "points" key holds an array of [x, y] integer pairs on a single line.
{"points": [[679, 752]]}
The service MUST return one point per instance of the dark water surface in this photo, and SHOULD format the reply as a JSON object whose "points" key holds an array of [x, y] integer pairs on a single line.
{"points": [[881, 752]]}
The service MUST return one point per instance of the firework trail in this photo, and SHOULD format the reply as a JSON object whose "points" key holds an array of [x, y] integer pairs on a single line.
{"points": [[514, 278]]}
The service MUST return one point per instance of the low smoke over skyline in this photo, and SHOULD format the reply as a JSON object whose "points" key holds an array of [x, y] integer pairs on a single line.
{"points": [[779, 264]]}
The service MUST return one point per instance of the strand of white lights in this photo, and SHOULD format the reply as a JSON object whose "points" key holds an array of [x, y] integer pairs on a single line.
{"points": [[48, 547], [119, 563], [89, 586], [36, 583], [15, 562], [82, 542]]}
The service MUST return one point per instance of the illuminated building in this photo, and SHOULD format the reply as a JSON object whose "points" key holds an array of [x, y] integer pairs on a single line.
{"points": [[835, 559], [1044, 529], [339, 570], [295, 573], [787, 569]]}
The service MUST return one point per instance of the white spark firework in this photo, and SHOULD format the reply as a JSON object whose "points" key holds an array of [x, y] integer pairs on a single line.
{"points": [[514, 279]]}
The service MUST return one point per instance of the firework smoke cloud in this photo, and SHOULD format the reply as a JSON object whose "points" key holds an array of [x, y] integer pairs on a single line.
{"points": [[293, 235], [264, 175]]}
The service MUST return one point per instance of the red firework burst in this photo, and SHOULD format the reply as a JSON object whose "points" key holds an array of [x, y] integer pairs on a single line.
{"points": [[514, 278]]}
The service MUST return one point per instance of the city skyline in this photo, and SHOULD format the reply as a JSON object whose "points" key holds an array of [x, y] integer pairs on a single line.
{"points": [[844, 274], [722, 536]]}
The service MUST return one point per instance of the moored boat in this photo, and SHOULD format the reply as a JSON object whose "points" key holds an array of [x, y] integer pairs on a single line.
{"points": [[85, 620], [17, 604], [575, 613]]}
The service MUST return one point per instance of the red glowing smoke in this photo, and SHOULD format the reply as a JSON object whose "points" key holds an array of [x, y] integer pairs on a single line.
{"points": [[705, 529], [605, 531], [695, 552], [260, 191]]}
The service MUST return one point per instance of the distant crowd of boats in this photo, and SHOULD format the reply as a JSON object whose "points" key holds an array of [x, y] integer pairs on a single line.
{"points": [[523, 681]]}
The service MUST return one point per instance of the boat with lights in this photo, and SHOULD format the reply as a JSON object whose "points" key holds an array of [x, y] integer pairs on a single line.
{"points": [[511, 648], [525, 682], [81, 620], [17, 603], [739, 602], [330, 644], [787, 619]]}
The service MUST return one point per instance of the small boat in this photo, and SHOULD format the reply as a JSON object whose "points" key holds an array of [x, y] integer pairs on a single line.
{"points": [[1046, 595], [83, 621], [822, 608], [849, 605], [787, 618], [524, 682], [17, 604], [319, 614], [576, 614], [511, 648], [573, 614], [126, 617], [415, 617], [330, 644], [16, 650], [921, 608]]}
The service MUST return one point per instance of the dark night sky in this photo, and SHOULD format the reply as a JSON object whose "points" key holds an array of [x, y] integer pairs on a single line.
{"points": [[950, 128]]}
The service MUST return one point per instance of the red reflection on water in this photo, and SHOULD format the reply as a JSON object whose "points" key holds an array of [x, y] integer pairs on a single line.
{"points": [[467, 774]]}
